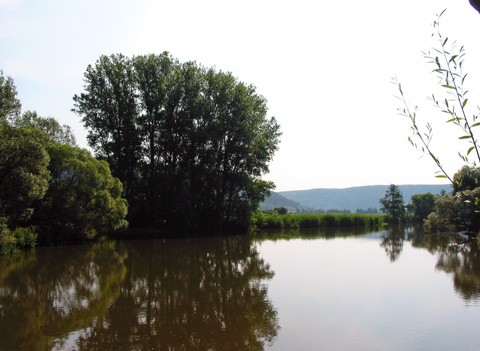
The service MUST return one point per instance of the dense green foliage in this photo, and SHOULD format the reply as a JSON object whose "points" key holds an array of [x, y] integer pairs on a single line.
{"points": [[50, 190], [458, 211], [315, 220], [189, 143], [421, 205], [467, 178], [392, 204], [82, 199], [23, 172]]}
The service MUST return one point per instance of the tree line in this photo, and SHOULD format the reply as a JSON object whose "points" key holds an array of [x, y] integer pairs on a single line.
{"points": [[454, 211], [181, 146], [51, 191]]}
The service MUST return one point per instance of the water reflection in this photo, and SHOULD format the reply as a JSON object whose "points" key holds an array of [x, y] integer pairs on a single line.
{"points": [[204, 294], [457, 255], [52, 292], [195, 294], [392, 242]]}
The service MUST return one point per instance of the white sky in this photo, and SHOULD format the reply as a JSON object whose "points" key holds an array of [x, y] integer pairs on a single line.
{"points": [[325, 68]]}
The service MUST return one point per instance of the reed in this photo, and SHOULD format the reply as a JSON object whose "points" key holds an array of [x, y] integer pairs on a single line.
{"points": [[317, 220]]}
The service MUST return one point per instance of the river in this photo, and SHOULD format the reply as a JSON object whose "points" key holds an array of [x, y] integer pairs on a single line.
{"points": [[291, 290]]}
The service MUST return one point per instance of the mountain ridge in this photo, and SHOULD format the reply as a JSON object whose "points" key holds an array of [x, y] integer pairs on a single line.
{"points": [[351, 198]]}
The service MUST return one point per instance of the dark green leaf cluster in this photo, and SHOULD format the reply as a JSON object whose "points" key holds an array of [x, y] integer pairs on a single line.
{"points": [[189, 143], [83, 198]]}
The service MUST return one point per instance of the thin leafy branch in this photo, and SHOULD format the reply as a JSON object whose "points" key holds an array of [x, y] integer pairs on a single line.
{"points": [[448, 62]]}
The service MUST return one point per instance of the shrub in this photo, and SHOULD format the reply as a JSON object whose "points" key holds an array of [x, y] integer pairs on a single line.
{"points": [[13, 241], [26, 237]]}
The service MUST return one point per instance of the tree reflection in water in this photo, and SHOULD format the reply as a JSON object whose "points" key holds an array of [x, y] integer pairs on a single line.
{"points": [[460, 256], [392, 242], [198, 294], [457, 255], [51, 292]]}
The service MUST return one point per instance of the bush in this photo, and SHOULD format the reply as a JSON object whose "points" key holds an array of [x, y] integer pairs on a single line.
{"points": [[258, 220], [7, 240], [13, 241], [26, 237], [436, 224]]}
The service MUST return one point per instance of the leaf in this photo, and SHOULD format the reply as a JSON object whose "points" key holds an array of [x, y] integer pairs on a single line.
{"points": [[465, 137], [476, 124], [470, 150], [440, 176], [454, 56], [464, 102], [447, 86]]}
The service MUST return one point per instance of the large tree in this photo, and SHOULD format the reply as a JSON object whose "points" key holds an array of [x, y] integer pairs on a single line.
{"points": [[392, 203], [110, 112], [23, 172], [421, 205], [197, 142]]}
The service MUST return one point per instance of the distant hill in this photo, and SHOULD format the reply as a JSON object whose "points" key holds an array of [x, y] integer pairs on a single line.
{"points": [[362, 197], [276, 200]]}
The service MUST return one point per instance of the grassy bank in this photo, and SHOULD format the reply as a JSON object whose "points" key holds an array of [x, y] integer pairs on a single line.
{"points": [[316, 220]]}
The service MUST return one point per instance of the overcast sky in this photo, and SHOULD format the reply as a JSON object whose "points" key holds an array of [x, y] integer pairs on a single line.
{"points": [[325, 68]]}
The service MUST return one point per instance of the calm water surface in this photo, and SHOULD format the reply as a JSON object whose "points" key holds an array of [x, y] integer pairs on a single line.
{"points": [[300, 290]]}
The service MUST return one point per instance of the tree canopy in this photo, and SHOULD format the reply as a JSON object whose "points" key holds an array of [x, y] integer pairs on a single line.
{"points": [[24, 175], [82, 200], [189, 143], [421, 205], [9, 104], [50, 189], [392, 203]]}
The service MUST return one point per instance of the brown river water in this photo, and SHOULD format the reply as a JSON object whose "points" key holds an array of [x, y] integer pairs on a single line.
{"points": [[293, 290]]}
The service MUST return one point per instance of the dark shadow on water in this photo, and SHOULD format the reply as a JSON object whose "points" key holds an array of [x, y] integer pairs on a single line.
{"points": [[195, 294]]}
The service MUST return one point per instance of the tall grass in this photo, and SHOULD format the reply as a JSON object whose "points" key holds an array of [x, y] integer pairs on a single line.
{"points": [[315, 220]]}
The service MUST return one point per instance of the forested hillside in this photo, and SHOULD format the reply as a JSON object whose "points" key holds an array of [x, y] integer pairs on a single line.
{"points": [[362, 197]]}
